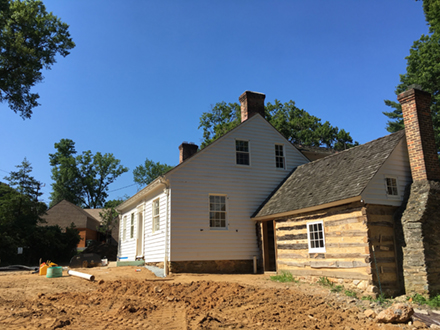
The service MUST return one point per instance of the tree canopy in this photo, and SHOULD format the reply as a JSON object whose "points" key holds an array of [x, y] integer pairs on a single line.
{"points": [[147, 172], [20, 223], [84, 179], [423, 69], [30, 39], [297, 125]]}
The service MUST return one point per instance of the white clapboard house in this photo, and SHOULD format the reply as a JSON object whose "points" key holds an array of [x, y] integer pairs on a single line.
{"points": [[197, 217]]}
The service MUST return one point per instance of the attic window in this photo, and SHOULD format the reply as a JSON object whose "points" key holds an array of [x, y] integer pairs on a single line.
{"points": [[315, 235], [391, 186], [242, 152], [279, 156]]}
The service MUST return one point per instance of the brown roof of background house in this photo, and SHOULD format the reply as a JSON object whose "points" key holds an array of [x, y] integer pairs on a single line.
{"points": [[94, 213], [336, 177]]}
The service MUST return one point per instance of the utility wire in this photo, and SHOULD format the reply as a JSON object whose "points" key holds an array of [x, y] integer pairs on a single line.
{"points": [[123, 187]]}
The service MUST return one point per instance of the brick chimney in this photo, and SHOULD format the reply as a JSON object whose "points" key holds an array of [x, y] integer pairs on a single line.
{"points": [[419, 133], [187, 150], [251, 104]]}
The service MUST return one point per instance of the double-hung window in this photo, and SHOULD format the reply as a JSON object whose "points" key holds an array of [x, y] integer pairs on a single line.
{"points": [[132, 226], [279, 156], [315, 235], [124, 228], [156, 215], [217, 212], [391, 186], [242, 152]]}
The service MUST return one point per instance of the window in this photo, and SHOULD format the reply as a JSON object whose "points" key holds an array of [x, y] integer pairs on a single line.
{"points": [[217, 212], [242, 152], [279, 156], [132, 226], [124, 228], [391, 186], [315, 234], [156, 216]]}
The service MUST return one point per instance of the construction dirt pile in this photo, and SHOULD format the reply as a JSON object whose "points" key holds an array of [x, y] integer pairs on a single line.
{"points": [[124, 298]]}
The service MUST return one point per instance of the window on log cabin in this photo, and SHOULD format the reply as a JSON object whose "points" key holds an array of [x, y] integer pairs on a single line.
{"points": [[316, 239], [391, 186]]}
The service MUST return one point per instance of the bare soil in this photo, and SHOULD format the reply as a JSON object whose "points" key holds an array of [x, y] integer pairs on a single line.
{"points": [[123, 298]]}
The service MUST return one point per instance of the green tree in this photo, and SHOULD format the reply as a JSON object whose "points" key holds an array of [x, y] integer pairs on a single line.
{"points": [[295, 124], [30, 39], [147, 172], [422, 69], [84, 179], [109, 217]]}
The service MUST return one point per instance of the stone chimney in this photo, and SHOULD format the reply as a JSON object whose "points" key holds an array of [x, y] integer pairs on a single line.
{"points": [[187, 150], [419, 133], [251, 104]]}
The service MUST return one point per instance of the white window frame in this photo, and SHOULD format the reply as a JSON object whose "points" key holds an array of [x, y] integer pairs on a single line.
{"points": [[155, 215], [283, 157], [386, 177], [124, 228], [243, 152], [309, 239], [132, 226], [226, 211]]}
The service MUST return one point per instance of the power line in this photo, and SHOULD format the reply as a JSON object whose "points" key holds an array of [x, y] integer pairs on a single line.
{"points": [[123, 187], [4, 171]]}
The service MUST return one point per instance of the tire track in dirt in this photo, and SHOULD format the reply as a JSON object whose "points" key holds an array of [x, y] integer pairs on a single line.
{"points": [[128, 304]]}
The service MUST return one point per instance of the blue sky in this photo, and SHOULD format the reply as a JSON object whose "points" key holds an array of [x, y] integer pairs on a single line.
{"points": [[143, 72]]}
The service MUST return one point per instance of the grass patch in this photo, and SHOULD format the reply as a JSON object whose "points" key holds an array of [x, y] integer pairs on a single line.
{"points": [[324, 281], [381, 300], [432, 302], [350, 293], [284, 277], [337, 288]]}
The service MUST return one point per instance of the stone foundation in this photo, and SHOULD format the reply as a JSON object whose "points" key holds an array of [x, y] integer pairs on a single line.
{"points": [[212, 266], [421, 228]]}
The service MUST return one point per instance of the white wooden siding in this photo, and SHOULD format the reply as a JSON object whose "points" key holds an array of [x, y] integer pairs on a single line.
{"points": [[397, 166], [127, 247], [214, 171], [153, 248]]}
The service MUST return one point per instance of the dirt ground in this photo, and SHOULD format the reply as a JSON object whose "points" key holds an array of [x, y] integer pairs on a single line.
{"points": [[123, 298]]}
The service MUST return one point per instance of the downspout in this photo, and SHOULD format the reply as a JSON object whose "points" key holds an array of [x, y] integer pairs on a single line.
{"points": [[163, 181]]}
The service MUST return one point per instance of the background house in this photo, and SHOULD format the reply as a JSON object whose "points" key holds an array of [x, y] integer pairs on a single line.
{"points": [[87, 221]]}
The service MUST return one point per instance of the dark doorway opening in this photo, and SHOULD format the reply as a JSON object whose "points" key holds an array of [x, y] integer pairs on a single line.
{"points": [[269, 247]]}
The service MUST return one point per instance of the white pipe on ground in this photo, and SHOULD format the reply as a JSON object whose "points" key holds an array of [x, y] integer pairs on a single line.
{"points": [[82, 275]]}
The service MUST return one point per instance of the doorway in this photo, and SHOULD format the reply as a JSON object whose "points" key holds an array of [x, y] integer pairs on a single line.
{"points": [[269, 254]]}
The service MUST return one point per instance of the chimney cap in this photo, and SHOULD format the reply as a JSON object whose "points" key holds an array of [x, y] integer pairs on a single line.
{"points": [[415, 86], [245, 93]]}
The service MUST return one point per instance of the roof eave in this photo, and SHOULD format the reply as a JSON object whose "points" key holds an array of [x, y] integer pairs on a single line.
{"points": [[308, 209]]}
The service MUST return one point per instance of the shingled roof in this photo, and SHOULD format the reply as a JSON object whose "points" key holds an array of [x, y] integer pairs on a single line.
{"points": [[336, 177]]}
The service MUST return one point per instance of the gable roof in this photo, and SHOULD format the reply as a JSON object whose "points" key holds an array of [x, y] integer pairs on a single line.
{"points": [[337, 177], [163, 178], [94, 213]]}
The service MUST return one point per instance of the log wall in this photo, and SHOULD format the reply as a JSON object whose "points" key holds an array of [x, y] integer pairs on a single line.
{"points": [[346, 240], [351, 231]]}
